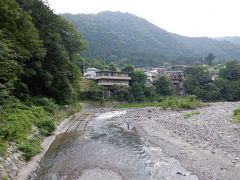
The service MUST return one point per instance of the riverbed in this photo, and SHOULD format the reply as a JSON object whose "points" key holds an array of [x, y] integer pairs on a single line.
{"points": [[161, 145]]}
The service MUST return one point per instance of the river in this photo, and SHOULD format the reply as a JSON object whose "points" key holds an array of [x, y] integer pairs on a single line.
{"points": [[107, 150]]}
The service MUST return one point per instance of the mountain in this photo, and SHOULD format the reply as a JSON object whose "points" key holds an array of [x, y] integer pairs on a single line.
{"points": [[125, 38], [233, 39]]}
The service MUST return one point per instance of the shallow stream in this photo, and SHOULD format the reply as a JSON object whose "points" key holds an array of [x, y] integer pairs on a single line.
{"points": [[107, 147]]}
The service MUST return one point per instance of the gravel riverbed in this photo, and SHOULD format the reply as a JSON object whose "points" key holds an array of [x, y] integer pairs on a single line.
{"points": [[207, 144]]}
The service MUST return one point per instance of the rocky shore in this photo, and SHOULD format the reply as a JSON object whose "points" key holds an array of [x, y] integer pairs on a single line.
{"points": [[207, 143]]}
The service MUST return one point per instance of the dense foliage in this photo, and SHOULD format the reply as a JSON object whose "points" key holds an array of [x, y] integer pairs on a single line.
{"points": [[162, 85], [226, 87], [39, 55], [124, 38]]}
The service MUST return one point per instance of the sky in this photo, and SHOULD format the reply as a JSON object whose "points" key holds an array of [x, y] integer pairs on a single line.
{"points": [[195, 18]]}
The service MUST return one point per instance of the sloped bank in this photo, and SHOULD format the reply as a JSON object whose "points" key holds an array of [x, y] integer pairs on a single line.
{"points": [[13, 158]]}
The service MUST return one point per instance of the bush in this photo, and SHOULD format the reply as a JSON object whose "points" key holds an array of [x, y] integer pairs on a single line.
{"points": [[30, 148], [47, 104], [236, 115], [3, 147], [46, 127], [67, 111], [190, 114], [177, 103], [16, 122], [174, 103]]}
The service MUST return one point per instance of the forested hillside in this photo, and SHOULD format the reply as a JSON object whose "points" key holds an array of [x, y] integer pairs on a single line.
{"points": [[38, 73], [39, 51], [233, 39], [125, 38]]}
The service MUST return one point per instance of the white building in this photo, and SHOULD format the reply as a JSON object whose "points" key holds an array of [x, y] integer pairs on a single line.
{"points": [[110, 78], [90, 73]]}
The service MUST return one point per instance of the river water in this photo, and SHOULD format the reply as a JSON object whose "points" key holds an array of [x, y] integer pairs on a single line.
{"points": [[105, 151]]}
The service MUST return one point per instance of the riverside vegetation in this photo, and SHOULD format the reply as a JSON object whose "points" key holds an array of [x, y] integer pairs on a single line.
{"points": [[236, 115]]}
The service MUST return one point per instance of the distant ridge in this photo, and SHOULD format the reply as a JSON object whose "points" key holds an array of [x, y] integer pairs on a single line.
{"points": [[233, 39], [125, 38]]}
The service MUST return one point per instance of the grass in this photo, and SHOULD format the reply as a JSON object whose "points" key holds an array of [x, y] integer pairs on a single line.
{"points": [[190, 114], [174, 103], [236, 115], [17, 121], [30, 148]]}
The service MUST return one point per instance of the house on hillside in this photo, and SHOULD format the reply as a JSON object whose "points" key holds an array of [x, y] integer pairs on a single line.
{"points": [[153, 73], [90, 73], [151, 76], [214, 73], [178, 67], [110, 78], [176, 80]]}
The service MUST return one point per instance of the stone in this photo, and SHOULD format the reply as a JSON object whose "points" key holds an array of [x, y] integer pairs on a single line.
{"points": [[15, 168], [15, 156]]}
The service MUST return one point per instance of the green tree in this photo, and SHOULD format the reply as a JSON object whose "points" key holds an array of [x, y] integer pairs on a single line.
{"points": [[138, 77], [198, 82], [112, 67], [25, 44], [58, 76], [128, 68], [9, 69], [120, 92], [231, 71], [137, 92], [137, 85], [162, 86], [209, 59]]}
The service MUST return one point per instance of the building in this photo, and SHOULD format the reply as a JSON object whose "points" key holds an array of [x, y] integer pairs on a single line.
{"points": [[153, 73], [214, 73], [90, 73], [176, 80], [110, 78], [151, 76], [178, 67]]}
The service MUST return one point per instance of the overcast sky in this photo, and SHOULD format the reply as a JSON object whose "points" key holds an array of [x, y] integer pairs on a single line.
{"points": [[212, 18]]}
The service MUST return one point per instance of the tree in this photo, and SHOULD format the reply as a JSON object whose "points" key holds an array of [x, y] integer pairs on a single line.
{"points": [[162, 86], [198, 82], [231, 71], [137, 85], [58, 75], [112, 67], [138, 77], [137, 92], [120, 92], [209, 59], [23, 42], [128, 68], [9, 69]]}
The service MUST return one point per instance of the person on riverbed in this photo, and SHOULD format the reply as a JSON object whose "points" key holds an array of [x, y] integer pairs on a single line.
{"points": [[128, 125]]}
